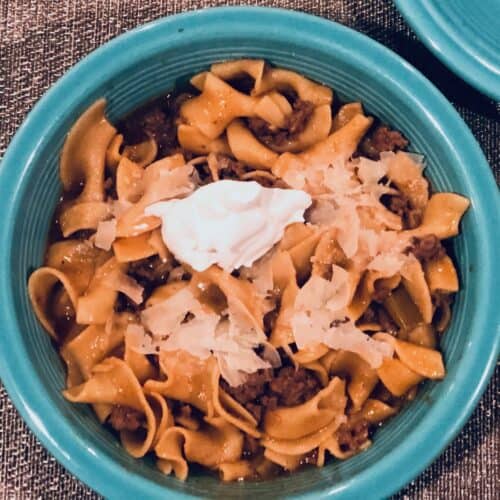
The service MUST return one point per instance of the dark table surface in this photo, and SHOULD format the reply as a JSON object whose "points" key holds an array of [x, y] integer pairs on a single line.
{"points": [[40, 40]]}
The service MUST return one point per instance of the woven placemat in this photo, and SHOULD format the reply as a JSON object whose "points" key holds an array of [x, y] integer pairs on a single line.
{"points": [[41, 39]]}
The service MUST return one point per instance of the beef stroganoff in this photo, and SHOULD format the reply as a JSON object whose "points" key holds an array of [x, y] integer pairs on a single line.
{"points": [[248, 276]]}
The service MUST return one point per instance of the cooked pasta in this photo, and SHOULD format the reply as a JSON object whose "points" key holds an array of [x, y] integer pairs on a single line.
{"points": [[255, 369]]}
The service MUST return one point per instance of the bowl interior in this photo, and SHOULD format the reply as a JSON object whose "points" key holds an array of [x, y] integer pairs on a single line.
{"points": [[167, 55]]}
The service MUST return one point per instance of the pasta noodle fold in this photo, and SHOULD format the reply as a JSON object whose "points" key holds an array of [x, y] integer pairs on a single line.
{"points": [[440, 274], [40, 286], [84, 152], [442, 215], [296, 422], [194, 140], [217, 106], [283, 79], [189, 379], [246, 148], [92, 346], [317, 129], [217, 442], [361, 378], [113, 382], [303, 444]]}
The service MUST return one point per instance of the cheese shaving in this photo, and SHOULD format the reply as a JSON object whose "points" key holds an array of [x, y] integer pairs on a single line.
{"points": [[105, 234], [320, 318], [181, 322]]}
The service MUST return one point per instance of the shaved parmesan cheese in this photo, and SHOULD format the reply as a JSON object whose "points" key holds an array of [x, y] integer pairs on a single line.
{"points": [[349, 338], [166, 183], [388, 264], [128, 286], [138, 340], [348, 224], [340, 179], [370, 172], [322, 213], [164, 317], [105, 234], [319, 318], [181, 322], [260, 274], [119, 207]]}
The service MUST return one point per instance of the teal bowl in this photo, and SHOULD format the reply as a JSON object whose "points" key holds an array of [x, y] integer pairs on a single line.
{"points": [[148, 61]]}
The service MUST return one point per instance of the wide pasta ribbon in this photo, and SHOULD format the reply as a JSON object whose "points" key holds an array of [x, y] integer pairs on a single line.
{"points": [[113, 383], [217, 442]]}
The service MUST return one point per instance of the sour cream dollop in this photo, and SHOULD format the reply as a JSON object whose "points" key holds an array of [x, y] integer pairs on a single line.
{"points": [[229, 223]]}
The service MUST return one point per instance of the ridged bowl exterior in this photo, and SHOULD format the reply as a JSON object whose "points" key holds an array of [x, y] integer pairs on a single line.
{"points": [[151, 60]]}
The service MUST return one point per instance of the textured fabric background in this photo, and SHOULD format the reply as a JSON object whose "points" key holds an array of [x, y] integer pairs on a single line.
{"points": [[41, 39]]}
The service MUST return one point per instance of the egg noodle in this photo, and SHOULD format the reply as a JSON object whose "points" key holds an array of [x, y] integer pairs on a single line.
{"points": [[299, 356]]}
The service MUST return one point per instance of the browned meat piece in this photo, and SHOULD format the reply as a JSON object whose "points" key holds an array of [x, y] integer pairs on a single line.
{"points": [[264, 391], [124, 303], [269, 402], [400, 205], [310, 457], [382, 138], [156, 120], [352, 435], [294, 387], [297, 121], [369, 316], [124, 418], [376, 313], [295, 124], [251, 446], [230, 168], [150, 272], [381, 291], [427, 248], [386, 322], [255, 409], [252, 389]]}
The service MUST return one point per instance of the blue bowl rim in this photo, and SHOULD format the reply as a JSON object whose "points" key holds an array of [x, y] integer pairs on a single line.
{"points": [[461, 57], [27, 393]]}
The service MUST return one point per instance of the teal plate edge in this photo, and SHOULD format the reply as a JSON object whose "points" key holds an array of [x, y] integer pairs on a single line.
{"points": [[385, 477], [469, 65]]}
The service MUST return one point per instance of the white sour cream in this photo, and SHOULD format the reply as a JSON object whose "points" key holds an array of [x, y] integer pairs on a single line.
{"points": [[229, 223]]}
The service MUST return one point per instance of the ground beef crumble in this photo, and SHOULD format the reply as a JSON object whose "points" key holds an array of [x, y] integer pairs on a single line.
{"points": [[251, 446], [265, 390], [155, 120], [295, 124], [353, 435], [400, 205], [310, 458], [376, 313], [381, 291], [427, 248], [125, 418], [381, 139], [150, 272], [230, 168]]}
